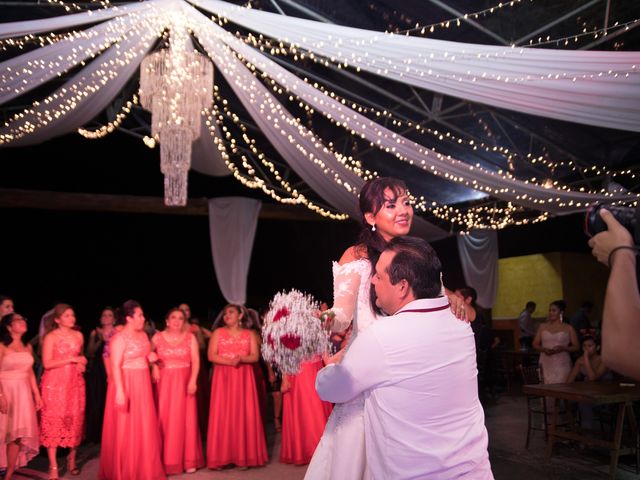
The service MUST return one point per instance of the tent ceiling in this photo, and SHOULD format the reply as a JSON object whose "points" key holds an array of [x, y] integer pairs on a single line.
{"points": [[556, 141]]}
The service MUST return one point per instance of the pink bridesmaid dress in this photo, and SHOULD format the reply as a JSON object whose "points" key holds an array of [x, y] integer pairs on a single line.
{"points": [[63, 398], [177, 411], [20, 422], [131, 447], [235, 434], [304, 416]]}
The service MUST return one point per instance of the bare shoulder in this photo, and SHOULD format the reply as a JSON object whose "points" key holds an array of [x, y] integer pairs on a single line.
{"points": [[78, 334], [353, 253]]}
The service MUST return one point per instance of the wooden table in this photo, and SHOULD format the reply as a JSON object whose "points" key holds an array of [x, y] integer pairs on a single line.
{"points": [[594, 393]]}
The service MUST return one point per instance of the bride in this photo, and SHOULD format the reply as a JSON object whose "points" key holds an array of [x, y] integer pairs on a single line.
{"points": [[387, 213]]}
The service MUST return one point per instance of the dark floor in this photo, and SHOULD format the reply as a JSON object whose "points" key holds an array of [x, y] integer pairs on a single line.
{"points": [[506, 422]]}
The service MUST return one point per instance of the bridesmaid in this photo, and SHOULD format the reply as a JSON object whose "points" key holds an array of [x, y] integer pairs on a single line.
{"points": [[176, 376], [63, 389], [130, 432], [235, 434], [19, 396], [304, 414]]}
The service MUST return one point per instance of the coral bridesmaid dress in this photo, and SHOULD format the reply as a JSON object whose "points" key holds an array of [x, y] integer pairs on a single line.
{"points": [[20, 421], [235, 434], [177, 411], [304, 416], [63, 398], [130, 435]]}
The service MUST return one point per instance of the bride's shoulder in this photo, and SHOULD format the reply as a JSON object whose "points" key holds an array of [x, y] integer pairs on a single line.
{"points": [[353, 254]]}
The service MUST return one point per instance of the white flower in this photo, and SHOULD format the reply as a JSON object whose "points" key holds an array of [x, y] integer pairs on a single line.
{"points": [[292, 334]]}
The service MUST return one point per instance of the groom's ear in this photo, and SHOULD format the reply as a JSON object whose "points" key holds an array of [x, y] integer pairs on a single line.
{"points": [[403, 288]]}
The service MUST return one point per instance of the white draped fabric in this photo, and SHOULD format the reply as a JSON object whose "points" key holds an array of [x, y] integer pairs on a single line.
{"points": [[598, 88], [576, 86], [479, 257], [232, 226]]}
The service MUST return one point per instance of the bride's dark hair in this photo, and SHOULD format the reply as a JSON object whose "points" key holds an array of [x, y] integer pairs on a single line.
{"points": [[371, 200]]}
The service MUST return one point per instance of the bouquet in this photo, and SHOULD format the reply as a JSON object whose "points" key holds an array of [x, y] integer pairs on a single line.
{"points": [[292, 332]]}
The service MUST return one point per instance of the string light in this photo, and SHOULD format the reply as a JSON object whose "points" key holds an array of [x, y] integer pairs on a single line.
{"points": [[258, 183], [494, 216], [343, 122], [423, 29], [110, 127]]}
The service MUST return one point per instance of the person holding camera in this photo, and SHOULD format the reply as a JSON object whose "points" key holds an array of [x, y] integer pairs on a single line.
{"points": [[621, 317]]}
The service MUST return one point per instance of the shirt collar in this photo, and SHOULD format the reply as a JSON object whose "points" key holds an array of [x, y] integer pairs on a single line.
{"points": [[424, 303]]}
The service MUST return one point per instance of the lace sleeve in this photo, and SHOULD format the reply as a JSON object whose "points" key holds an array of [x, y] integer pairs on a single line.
{"points": [[346, 283]]}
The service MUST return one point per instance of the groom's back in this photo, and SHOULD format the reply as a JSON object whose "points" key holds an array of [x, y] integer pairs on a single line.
{"points": [[427, 421]]}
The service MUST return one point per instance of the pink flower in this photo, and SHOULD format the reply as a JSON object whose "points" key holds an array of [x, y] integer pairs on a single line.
{"points": [[290, 341], [283, 312]]}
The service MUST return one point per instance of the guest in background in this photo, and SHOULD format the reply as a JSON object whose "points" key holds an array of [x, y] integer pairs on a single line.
{"points": [[46, 325], [176, 376], [581, 322], [19, 396], [589, 367], [527, 325], [131, 445], [484, 339], [555, 340], [6, 305], [235, 434], [63, 389], [203, 394], [275, 384], [97, 374], [304, 414]]}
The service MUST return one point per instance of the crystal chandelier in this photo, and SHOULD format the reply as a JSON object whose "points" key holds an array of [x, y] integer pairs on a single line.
{"points": [[176, 84]]}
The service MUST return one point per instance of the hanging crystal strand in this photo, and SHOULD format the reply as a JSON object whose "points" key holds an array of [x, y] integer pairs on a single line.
{"points": [[176, 84], [175, 160]]}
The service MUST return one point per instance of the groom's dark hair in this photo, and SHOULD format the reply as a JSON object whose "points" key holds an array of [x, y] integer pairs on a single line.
{"points": [[417, 263]]}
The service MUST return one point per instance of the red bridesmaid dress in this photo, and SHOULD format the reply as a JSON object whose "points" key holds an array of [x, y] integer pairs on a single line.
{"points": [[63, 397], [304, 416], [177, 410], [235, 434], [130, 446]]}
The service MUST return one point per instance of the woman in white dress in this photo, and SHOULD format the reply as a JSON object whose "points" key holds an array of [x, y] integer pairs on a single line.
{"points": [[555, 340], [387, 213]]}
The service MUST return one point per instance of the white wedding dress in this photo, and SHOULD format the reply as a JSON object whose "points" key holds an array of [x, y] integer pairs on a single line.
{"points": [[341, 451]]}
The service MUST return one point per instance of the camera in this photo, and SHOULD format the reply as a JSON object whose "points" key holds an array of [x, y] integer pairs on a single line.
{"points": [[629, 217]]}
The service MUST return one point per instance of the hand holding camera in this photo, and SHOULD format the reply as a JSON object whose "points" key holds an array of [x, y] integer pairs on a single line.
{"points": [[606, 243]]}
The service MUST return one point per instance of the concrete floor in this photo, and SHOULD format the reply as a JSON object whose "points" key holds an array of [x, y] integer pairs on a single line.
{"points": [[506, 422]]}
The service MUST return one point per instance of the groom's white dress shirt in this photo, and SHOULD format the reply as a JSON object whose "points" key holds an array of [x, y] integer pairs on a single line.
{"points": [[418, 372]]}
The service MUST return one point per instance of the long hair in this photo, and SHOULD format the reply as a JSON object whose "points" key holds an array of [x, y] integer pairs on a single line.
{"points": [[58, 311], [371, 200]]}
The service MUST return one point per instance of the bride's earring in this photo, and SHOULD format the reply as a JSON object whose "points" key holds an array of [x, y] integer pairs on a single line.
{"points": [[373, 227]]}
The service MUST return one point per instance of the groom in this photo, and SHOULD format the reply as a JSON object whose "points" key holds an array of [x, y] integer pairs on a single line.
{"points": [[418, 370]]}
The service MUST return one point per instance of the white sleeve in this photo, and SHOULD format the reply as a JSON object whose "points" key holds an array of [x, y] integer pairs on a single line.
{"points": [[363, 367], [346, 283]]}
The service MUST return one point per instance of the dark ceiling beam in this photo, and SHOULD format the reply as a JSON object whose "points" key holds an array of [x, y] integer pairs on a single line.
{"points": [[471, 22], [277, 7], [302, 9], [90, 202], [558, 20]]}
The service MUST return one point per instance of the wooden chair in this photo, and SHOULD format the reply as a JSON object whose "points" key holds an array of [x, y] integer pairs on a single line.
{"points": [[536, 405]]}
